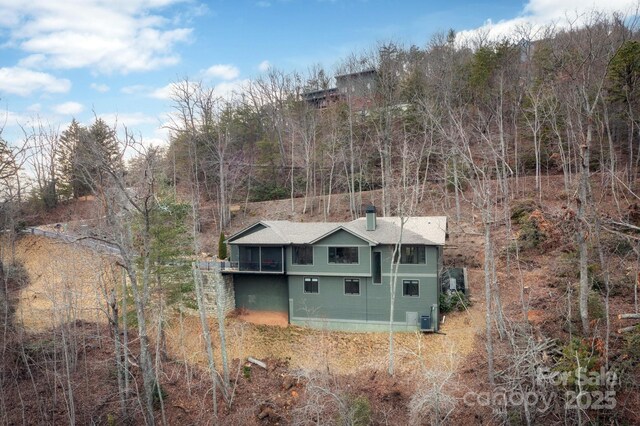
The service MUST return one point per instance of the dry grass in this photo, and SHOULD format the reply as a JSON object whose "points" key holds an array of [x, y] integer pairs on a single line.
{"points": [[64, 282], [341, 352]]}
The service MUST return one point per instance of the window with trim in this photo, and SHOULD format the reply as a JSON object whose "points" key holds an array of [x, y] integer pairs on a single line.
{"points": [[302, 255], [352, 286], [311, 285], [343, 254], [377, 267], [411, 288], [412, 255]]}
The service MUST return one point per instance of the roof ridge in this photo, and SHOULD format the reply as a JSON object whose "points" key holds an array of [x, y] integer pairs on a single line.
{"points": [[277, 231]]}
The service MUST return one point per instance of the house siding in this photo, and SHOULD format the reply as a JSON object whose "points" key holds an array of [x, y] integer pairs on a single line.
{"points": [[261, 292], [426, 274], [330, 301], [369, 310], [321, 265]]}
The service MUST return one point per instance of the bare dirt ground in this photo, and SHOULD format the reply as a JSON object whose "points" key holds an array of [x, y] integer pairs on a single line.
{"points": [[279, 319]]}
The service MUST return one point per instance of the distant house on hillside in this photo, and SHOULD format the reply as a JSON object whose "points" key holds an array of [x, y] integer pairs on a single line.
{"points": [[357, 88], [359, 84], [321, 98], [337, 275]]}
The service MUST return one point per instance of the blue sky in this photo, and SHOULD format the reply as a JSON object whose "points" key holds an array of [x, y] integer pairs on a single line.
{"points": [[117, 58]]}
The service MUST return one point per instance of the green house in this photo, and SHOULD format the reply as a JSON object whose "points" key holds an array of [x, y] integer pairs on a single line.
{"points": [[338, 275]]}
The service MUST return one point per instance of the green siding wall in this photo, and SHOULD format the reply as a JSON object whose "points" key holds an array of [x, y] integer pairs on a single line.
{"points": [[321, 263], [261, 292], [426, 274], [330, 302], [372, 305], [342, 237]]}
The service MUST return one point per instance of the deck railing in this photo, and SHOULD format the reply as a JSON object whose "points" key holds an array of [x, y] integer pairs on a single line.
{"points": [[228, 266], [217, 265]]}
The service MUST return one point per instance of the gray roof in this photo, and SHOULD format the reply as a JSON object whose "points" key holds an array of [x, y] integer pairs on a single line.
{"points": [[263, 236], [300, 232], [428, 230]]}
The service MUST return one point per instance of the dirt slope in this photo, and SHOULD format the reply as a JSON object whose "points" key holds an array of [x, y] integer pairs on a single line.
{"points": [[64, 282]]}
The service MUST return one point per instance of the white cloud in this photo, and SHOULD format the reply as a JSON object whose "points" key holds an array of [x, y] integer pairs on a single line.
{"points": [[100, 87], [164, 92], [106, 36], [159, 137], [23, 82], [223, 71], [552, 9], [32, 61], [537, 14], [129, 119], [228, 89], [68, 108], [264, 66]]}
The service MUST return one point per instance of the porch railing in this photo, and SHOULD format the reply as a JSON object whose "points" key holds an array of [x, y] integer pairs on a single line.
{"points": [[215, 265]]}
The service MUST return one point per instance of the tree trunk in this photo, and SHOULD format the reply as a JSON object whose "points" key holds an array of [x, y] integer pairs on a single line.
{"points": [[583, 194], [119, 353], [146, 365], [488, 256], [457, 189], [220, 304]]}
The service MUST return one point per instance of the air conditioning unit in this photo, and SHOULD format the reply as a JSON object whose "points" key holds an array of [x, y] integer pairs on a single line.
{"points": [[425, 323]]}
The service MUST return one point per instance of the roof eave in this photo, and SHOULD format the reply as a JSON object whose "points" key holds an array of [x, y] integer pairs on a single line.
{"points": [[343, 228], [232, 237]]}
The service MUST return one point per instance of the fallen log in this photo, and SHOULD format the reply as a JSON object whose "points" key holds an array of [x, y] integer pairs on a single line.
{"points": [[257, 362], [627, 329], [628, 316]]}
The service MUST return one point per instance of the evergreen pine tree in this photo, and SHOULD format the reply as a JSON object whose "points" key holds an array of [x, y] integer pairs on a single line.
{"points": [[222, 247], [105, 150], [84, 153], [74, 158]]}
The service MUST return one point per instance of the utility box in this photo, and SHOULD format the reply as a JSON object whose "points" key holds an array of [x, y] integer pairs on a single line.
{"points": [[453, 284], [425, 323]]}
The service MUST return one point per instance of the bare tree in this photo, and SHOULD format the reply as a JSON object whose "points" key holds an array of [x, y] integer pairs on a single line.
{"points": [[45, 148], [124, 206], [586, 54]]}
